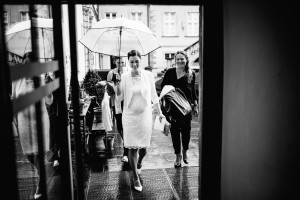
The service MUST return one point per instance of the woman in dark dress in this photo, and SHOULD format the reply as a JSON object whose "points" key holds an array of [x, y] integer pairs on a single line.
{"points": [[182, 77]]}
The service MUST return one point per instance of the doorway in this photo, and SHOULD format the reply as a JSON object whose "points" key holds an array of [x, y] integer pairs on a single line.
{"points": [[76, 183]]}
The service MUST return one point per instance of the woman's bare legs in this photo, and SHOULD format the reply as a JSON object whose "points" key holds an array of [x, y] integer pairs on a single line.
{"points": [[132, 158], [142, 153]]}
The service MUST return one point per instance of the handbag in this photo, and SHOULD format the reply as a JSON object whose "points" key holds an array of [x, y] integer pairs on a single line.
{"points": [[167, 127], [162, 125]]}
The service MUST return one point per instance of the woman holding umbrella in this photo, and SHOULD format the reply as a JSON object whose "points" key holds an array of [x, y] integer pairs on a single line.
{"points": [[137, 89]]}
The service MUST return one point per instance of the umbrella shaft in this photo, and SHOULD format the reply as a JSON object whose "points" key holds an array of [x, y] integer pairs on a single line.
{"points": [[120, 43]]}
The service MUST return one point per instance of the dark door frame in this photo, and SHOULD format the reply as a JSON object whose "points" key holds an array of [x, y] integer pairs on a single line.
{"points": [[210, 102]]}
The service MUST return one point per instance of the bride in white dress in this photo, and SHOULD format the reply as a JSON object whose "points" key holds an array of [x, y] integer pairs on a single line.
{"points": [[137, 89]]}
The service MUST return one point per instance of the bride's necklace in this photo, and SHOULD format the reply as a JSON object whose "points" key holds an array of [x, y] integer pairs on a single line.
{"points": [[135, 74], [136, 78]]}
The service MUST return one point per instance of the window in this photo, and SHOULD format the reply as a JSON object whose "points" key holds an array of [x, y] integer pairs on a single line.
{"points": [[136, 16], [110, 15], [169, 24], [192, 24], [24, 16], [169, 56], [5, 17]]}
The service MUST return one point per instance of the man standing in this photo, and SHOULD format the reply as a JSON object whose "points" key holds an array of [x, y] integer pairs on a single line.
{"points": [[115, 75]]}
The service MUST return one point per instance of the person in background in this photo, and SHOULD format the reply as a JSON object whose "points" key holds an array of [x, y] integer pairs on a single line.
{"points": [[182, 77], [114, 75], [53, 112], [26, 124], [137, 89]]}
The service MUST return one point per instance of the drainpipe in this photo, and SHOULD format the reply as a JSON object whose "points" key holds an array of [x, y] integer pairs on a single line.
{"points": [[95, 12], [97, 16], [100, 57], [148, 24], [50, 11]]}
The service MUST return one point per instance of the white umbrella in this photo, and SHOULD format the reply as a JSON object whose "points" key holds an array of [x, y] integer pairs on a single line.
{"points": [[18, 37], [112, 36]]}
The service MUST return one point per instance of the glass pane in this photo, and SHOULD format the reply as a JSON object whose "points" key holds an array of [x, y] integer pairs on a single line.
{"points": [[37, 169], [106, 171]]}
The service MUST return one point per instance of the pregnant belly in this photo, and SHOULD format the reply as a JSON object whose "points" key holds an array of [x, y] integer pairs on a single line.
{"points": [[137, 104]]}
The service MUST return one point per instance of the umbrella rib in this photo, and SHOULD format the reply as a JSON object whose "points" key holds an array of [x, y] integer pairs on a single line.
{"points": [[98, 40], [98, 47], [49, 41], [139, 42], [26, 45], [130, 31]]}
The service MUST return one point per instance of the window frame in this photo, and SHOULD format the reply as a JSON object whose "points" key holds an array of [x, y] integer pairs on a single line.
{"points": [[135, 16], [169, 21], [194, 31], [27, 16], [110, 15]]}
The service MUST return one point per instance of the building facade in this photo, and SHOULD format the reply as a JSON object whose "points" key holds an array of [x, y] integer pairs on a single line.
{"points": [[175, 27]]}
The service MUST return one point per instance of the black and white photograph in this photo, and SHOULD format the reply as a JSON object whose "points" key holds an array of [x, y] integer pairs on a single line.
{"points": [[148, 100]]}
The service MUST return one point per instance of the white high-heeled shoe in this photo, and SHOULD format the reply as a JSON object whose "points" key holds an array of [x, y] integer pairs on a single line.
{"points": [[137, 185], [37, 194]]}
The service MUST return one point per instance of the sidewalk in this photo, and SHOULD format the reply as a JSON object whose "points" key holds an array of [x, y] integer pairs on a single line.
{"points": [[112, 179], [160, 154]]}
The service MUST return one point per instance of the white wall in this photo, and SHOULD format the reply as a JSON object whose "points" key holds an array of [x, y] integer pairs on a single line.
{"points": [[80, 48], [171, 44], [66, 47]]}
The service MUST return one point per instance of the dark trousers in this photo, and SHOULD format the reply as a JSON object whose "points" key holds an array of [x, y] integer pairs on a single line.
{"points": [[181, 134], [120, 130], [53, 138], [34, 160]]}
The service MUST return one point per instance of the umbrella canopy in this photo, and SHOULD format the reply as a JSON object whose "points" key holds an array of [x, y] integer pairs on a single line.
{"points": [[18, 38], [112, 36]]}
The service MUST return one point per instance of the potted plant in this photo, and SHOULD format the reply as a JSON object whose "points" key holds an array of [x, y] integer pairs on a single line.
{"points": [[89, 85]]}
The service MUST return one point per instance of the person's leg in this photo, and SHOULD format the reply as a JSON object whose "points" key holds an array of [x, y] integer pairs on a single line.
{"points": [[125, 153], [52, 136], [175, 135], [119, 123], [185, 136], [54, 145], [132, 155], [142, 154], [34, 160], [120, 130]]}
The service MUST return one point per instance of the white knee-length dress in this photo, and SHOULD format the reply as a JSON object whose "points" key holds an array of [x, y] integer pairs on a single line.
{"points": [[137, 119]]}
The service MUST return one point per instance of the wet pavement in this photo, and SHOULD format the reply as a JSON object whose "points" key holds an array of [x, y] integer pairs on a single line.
{"points": [[109, 178], [112, 179], [160, 154]]}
